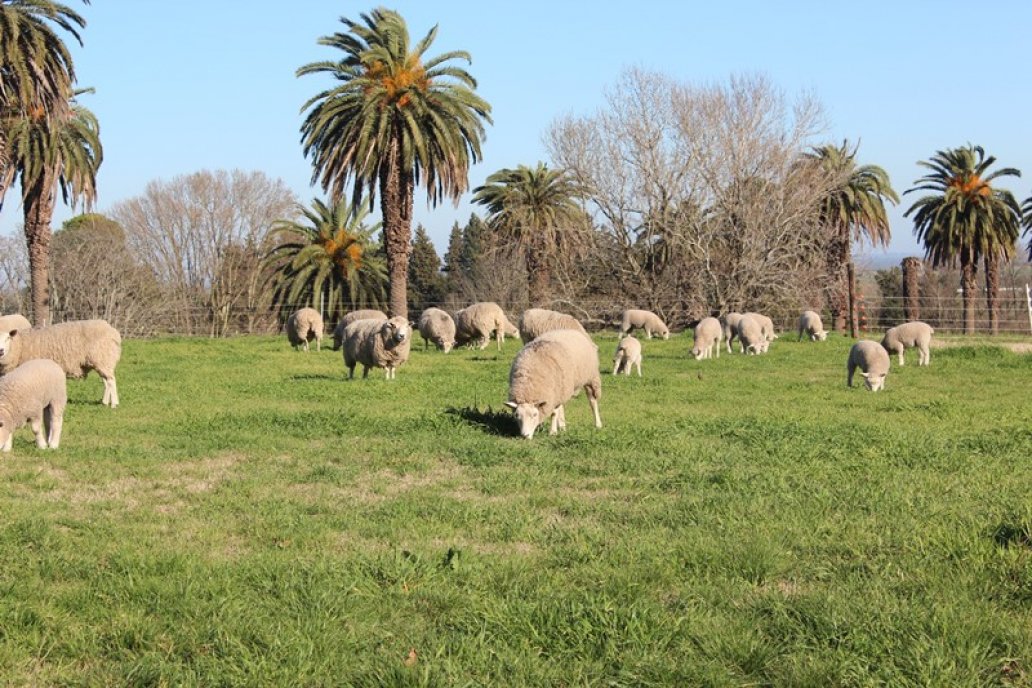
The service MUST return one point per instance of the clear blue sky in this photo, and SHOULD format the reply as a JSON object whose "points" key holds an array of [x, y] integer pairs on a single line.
{"points": [[209, 84]]}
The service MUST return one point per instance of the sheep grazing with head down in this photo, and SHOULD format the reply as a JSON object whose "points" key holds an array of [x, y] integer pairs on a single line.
{"points": [[708, 333], [35, 392], [730, 323], [810, 324], [873, 362], [536, 321], [78, 346], [303, 326], [438, 327], [634, 318], [915, 334], [477, 323], [750, 336], [363, 314], [766, 326], [377, 344], [628, 353], [547, 373]]}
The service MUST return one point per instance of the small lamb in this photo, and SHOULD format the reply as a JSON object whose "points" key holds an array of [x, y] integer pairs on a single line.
{"points": [[303, 326], [35, 392], [438, 327], [537, 321], [547, 373], [873, 362], [750, 336], [766, 325], [730, 323], [377, 344], [476, 323], [915, 334], [628, 353], [708, 333], [363, 314], [644, 320], [810, 323]]}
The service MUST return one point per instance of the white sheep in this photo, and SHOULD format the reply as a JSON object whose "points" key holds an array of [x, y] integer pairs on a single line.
{"points": [[750, 336], [914, 333], [438, 327], [475, 324], [78, 347], [708, 333], [303, 326], [766, 325], [362, 314], [810, 324], [872, 360], [35, 392], [14, 321], [537, 321], [730, 323], [645, 320], [628, 353], [547, 373], [377, 344]]}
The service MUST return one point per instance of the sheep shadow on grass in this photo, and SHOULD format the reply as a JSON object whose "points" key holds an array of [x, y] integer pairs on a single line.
{"points": [[492, 422]]}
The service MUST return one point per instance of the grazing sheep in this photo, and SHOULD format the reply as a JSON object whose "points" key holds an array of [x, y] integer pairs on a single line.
{"points": [[750, 336], [35, 392], [377, 344], [364, 314], [766, 326], [730, 322], [914, 333], [475, 324], [438, 327], [303, 326], [537, 321], [645, 320], [708, 333], [78, 347], [628, 353], [547, 373], [810, 323], [14, 321], [873, 362]]}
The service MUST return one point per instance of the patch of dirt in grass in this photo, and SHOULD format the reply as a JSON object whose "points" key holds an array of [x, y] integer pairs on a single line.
{"points": [[383, 485]]}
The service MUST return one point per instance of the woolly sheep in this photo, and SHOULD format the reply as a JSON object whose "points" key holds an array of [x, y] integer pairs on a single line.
{"points": [[750, 336], [547, 373], [438, 327], [708, 333], [766, 326], [645, 320], [730, 322], [810, 323], [364, 314], [14, 321], [377, 344], [537, 321], [303, 326], [477, 322], [628, 353], [35, 392], [873, 362], [78, 346], [916, 334]]}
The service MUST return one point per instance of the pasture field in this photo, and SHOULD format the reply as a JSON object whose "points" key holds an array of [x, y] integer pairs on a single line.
{"points": [[249, 517]]}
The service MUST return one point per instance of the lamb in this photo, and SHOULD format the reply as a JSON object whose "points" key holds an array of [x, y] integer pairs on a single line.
{"points": [[303, 326], [628, 353], [477, 322], [78, 346], [708, 333], [35, 392], [915, 333], [363, 314], [377, 344], [438, 327], [766, 326], [547, 373], [810, 323], [872, 360], [14, 321], [750, 336], [646, 320], [730, 322], [537, 321]]}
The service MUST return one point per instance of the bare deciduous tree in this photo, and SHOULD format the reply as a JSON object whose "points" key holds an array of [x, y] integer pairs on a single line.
{"points": [[14, 275]]}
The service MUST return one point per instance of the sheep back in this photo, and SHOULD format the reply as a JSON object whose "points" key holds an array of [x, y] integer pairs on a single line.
{"points": [[362, 314], [536, 321], [478, 321], [435, 325], [78, 346], [810, 324], [377, 344], [708, 333], [633, 318], [872, 359], [550, 369], [750, 335], [303, 326]]}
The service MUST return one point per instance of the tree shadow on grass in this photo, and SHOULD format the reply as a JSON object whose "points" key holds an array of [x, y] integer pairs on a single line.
{"points": [[492, 422]]}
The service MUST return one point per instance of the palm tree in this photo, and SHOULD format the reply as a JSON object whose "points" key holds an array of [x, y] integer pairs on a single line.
{"points": [[63, 152], [330, 255], [854, 209], [395, 119], [36, 71], [537, 208], [1026, 215], [964, 218]]}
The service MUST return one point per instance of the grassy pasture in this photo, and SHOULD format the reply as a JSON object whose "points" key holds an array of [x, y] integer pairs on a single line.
{"points": [[249, 517]]}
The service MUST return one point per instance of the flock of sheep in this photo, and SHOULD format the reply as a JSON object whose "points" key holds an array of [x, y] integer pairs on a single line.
{"points": [[559, 358]]}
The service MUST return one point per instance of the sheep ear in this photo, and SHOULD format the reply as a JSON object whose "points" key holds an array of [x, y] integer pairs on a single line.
{"points": [[12, 333], [512, 405], [865, 375], [541, 404]]}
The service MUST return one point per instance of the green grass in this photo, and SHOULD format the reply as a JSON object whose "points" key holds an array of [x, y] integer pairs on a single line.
{"points": [[250, 517]]}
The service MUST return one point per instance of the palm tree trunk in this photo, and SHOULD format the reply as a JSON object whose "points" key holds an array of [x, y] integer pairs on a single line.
{"points": [[838, 290], [38, 205], [968, 284], [539, 277], [851, 291], [396, 200], [992, 293], [911, 288]]}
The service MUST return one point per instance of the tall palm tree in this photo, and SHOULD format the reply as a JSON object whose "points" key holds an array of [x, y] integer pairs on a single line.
{"points": [[331, 255], [395, 119], [854, 209], [1026, 220], [48, 153], [36, 71], [964, 218], [537, 208]]}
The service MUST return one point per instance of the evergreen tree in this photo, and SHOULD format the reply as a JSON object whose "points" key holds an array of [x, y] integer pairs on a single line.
{"points": [[453, 259], [425, 282], [475, 241]]}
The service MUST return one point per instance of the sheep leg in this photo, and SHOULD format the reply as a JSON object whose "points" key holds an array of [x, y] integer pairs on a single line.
{"points": [[54, 419], [593, 402], [851, 368], [557, 421], [901, 349], [37, 429], [616, 365], [351, 371], [499, 337], [110, 389], [638, 364], [9, 442], [365, 371], [924, 355]]}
